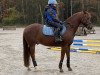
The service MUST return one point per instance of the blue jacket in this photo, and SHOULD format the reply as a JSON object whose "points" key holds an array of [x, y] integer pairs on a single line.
{"points": [[50, 16]]}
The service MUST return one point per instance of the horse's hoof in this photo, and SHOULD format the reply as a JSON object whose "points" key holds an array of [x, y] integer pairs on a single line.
{"points": [[35, 67], [69, 69], [61, 70], [29, 69]]}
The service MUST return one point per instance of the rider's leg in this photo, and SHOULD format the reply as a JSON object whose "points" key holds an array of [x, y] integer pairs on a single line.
{"points": [[58, 28], [59, 31], [57, 35]]}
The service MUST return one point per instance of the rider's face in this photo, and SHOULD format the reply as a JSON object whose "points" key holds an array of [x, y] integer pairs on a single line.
{"points": [[55, 5]]}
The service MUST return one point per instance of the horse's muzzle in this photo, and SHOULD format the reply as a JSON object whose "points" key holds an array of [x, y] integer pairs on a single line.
{"points": [[89, 26]]}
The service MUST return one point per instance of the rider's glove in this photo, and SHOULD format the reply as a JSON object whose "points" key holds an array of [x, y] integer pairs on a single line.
{"points": [[61, 22]]}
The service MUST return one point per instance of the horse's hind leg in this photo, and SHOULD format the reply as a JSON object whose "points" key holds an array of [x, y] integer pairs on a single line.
{"points": [[32, 52]]}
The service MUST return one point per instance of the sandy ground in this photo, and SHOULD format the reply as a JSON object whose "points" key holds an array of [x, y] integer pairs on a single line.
{"points": [[11, 57]]}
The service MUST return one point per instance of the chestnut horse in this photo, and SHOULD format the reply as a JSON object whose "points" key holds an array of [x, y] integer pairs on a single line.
{"points": [[33, 35]]}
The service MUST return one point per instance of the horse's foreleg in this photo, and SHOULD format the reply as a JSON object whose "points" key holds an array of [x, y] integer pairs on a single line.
{"points": [[61, 59], [32, 51], [68, 58]]}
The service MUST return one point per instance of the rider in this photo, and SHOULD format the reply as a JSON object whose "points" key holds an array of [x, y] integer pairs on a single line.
{"points": [[50, 16]]}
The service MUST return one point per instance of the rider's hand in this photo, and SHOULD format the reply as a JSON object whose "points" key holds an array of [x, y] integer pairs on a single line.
{"points": [[61, 22]]}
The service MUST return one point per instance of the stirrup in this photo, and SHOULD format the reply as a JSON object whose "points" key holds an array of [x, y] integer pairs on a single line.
{"points": [[58, 39]]}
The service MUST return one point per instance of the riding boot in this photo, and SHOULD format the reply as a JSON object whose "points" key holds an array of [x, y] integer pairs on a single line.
{"points": [[57, 36]]}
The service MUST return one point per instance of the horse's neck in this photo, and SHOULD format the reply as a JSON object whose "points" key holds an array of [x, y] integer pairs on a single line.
{"points": [[74, 23]]}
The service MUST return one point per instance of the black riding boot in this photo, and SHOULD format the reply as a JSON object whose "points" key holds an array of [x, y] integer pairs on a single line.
{"points": [[57, 36]]}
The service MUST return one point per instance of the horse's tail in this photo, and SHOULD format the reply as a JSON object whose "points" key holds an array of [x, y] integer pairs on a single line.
{"points": [[26, 53]]}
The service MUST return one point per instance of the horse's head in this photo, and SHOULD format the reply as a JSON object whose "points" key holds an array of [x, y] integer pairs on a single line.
{"points": [[86, 20]]}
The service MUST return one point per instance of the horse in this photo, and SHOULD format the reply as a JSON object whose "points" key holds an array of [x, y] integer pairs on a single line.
{"points": [[33, 35]]}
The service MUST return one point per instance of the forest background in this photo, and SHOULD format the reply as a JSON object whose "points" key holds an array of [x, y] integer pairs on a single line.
{"points": [[25, 12]]}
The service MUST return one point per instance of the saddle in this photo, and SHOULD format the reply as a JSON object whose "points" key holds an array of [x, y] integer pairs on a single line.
{"points": [[49, 31]]}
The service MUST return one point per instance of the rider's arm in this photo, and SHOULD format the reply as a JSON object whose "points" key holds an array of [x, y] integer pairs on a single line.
{"points": [[53, 14]]}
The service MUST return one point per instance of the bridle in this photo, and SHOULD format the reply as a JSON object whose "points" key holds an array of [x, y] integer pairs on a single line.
{"points": [[86, 21]]}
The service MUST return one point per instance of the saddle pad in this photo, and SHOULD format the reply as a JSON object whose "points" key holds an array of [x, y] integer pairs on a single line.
{"points": [[49, 31]]}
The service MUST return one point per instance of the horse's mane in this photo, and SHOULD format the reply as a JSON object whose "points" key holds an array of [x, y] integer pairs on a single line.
{"points": [[75, 14], [72, 19], [78, 14]]}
